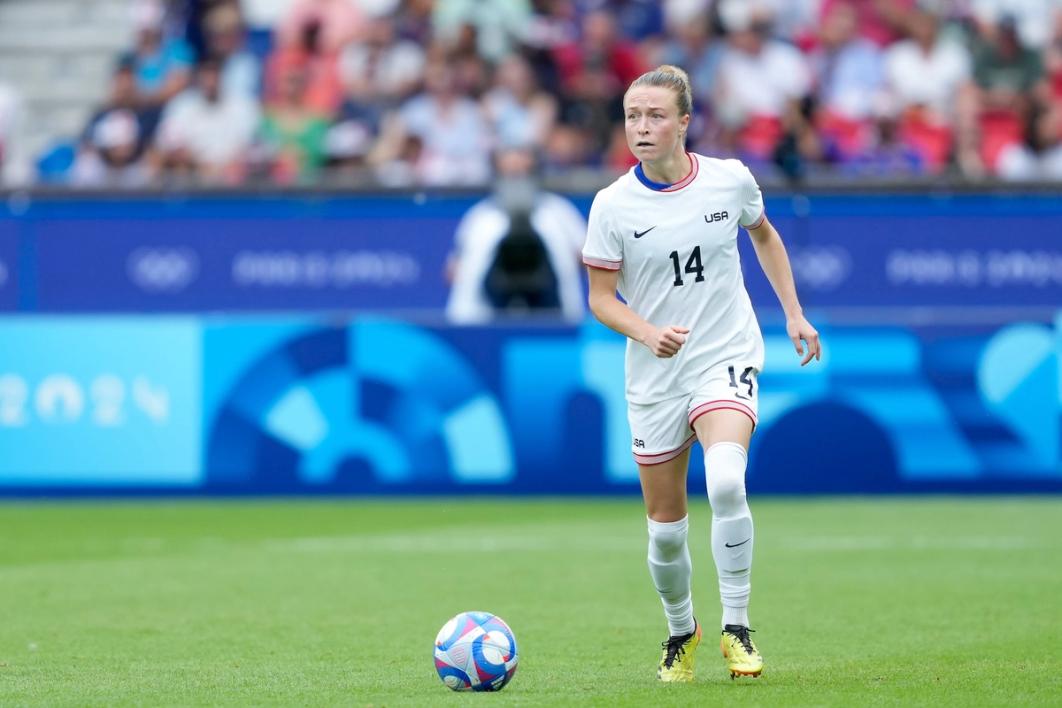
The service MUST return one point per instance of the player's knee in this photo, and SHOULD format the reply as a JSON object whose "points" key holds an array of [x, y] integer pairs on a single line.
{"points": [[727, 495], [667, 540], [667, 545]]}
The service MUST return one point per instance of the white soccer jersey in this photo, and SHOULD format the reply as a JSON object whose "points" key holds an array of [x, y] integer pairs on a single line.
{"points": [[675, 247]]}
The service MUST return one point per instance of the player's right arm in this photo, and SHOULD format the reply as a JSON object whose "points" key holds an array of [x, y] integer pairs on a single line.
{"points": [[664, 342]]}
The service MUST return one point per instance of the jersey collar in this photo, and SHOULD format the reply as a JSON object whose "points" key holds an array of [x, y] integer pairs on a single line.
{"points": [[662, 187]]}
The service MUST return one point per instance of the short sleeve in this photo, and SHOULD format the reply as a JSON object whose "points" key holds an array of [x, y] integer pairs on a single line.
{"points": [[752, 213], [603, 248]]}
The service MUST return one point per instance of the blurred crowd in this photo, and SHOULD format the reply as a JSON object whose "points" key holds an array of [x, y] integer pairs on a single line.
{"points": [[424, 92]]}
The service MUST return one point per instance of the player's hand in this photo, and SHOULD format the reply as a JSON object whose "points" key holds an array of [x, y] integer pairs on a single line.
{"points": [[800, 332], [666, 341]]}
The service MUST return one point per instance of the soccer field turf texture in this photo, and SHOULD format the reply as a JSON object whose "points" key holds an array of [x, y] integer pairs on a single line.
{"points": [[855, 602]]}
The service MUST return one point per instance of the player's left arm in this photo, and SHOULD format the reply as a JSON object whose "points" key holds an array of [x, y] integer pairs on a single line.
{"points": [[775, 263]]}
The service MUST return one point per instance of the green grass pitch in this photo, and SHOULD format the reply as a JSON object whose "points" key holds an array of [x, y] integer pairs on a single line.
{"points": [[856, 602]]}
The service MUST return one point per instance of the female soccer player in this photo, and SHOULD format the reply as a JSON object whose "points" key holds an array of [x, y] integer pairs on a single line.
{"points": [[665, 236]]}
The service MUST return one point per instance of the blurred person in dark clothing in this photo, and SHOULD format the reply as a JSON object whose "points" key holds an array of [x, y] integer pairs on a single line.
{"points": [[123, 96], [997, 103], [116, 135], [517, 251]]}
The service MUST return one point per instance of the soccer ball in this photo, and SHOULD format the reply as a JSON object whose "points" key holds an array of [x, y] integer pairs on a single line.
{"points": [[475, 651]]}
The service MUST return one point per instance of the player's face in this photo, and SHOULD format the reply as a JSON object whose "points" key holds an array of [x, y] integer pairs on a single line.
{"points": [[654, 128]]}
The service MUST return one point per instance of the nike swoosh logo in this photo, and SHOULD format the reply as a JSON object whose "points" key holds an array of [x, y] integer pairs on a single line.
{"points": [[639, 234], [737, 544]]}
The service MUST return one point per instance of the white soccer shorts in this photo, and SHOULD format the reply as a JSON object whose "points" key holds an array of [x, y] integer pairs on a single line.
{"points": [[661, 431]]}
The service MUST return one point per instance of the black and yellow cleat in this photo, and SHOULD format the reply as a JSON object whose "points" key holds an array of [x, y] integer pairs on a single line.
{"points": [[742, 656], [677, 663]]}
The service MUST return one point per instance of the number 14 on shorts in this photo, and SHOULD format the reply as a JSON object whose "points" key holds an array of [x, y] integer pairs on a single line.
{"points": [[745, 383]]}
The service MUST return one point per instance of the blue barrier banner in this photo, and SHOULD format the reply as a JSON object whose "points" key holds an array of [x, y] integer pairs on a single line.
{"points": [[241, 265], [242, 254], [100, 402], [928, 251], [389, 253], [8, 265], [384, 405]]}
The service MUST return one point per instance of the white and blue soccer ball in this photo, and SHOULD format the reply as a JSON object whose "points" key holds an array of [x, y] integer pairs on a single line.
{"points": [[475, 651]]}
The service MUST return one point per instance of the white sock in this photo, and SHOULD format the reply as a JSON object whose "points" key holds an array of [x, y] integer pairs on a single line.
{"points": [[732, 533], [670, 568]]}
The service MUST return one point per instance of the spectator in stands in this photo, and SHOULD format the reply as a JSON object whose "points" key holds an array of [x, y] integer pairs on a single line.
{"points": [[293, 134], [162, 65], [518, 251], [923, 76], [452, 141], [495, 26], [849, 79], [110, 154], [116, 136], [997, 104], [471, 71], [204, 134], [309, 54], [594, 71], [383, 70], [762, 83], [224, 35], [520, 112]]}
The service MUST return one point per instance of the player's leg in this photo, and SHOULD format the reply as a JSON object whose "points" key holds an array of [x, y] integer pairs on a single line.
{"points": [[664, 491], [724, 435], [724, 429], [661, 448]]}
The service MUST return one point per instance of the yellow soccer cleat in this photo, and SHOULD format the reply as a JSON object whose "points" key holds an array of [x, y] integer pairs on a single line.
{"points": [[742, 656], [676, 665]]}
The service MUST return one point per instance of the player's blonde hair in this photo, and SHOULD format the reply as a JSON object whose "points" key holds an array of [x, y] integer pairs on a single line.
{"points": [[673, 78]]}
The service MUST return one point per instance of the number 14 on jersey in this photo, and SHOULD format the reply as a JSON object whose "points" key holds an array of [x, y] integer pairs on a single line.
{"points": [[693, 266]]}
